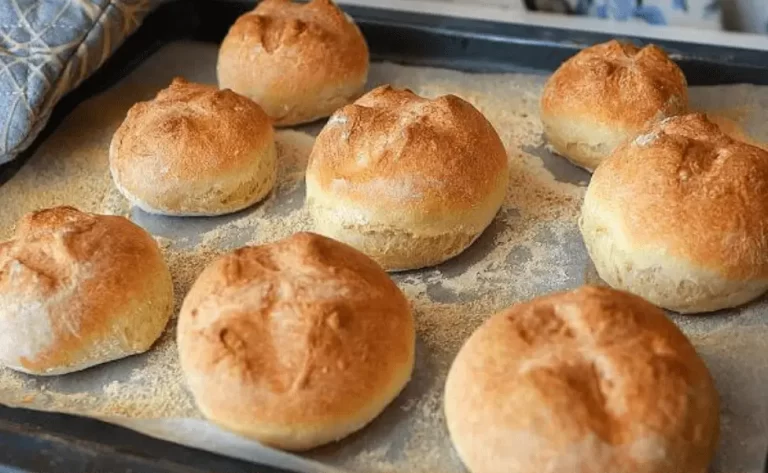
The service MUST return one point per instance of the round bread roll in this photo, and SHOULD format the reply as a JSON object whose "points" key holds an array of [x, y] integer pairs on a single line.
{"points": [[409, 181], [300, 62], [295, 343], [607, 94], [79, 289], [679, 216], [194, 151], [589, 381]]}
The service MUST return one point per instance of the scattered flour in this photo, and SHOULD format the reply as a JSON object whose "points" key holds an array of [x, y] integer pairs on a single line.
{"points": [[533, 247]]}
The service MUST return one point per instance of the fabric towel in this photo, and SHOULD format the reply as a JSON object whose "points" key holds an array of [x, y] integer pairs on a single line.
{"points": [[47, 47]]}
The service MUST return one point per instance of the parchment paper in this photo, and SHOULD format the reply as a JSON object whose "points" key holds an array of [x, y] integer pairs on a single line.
{"points": [[532, 248]]}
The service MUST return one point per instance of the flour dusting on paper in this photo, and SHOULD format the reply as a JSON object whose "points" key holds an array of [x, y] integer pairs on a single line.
{"points": [[533, 247]]}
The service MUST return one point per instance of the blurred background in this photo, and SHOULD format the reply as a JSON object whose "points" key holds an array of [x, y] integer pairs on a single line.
{"points": [[735, 15]]}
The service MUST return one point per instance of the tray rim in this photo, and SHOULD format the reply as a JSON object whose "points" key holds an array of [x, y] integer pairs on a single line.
{"points": [[30, 424]]}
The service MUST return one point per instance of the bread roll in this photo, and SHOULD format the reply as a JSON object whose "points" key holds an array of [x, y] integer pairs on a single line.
{"points": [[589, 381], [409, 181], [679, 216], [607, 94], [194, 151], [300, 62], [295, 343], [79, 289]]}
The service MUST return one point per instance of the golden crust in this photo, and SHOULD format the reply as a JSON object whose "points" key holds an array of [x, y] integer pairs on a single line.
{"points": [[592, 380], [298, 61], [295, 343], [687, 189], [617, 84], [178, 124], [395, 151], [189, 136], [79, 289]]}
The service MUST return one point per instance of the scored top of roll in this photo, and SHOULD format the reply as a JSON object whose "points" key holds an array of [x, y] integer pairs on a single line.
{"points": [[189, 130], [79, 289], [592, 380], [394, 150], [299, 61], [193, 150], [295, 343], [313, 27], [616, 83]]}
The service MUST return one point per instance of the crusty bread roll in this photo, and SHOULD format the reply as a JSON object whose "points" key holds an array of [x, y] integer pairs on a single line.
{"points": [[607, 94], [409, 181], [79, 289], [194, 151], [300, 62], [679, 216], [295, 343], [589, 381]]}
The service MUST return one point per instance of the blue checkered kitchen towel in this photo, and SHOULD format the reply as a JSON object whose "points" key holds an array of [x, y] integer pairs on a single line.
{"points": [[47, 47]]}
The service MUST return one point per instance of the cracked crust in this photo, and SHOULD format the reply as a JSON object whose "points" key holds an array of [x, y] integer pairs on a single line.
{"points": [[607, 94], [79, 289], [588, 381], [295, 343], [300, 62]]}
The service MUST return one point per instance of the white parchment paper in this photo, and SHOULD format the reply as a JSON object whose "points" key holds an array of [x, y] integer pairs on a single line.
{"points": [[533, 247]]}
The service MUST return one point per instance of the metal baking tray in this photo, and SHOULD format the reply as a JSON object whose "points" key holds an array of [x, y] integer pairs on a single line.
{"points": [[42, 442]]}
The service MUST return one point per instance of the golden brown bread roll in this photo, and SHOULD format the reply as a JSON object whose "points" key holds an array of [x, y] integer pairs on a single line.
{"points": [[296, 343], [607, 94], [300, 62], [409, 181], [194, 151], [589, 381], [679, 216], [79, 289]]}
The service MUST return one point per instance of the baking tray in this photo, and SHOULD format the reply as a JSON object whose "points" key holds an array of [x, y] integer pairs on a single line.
{"points": [[34, 441]]}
